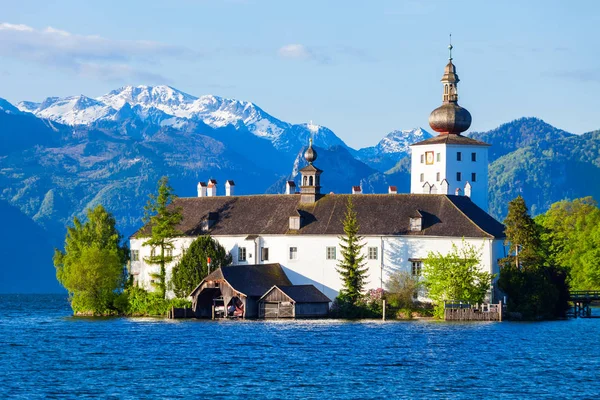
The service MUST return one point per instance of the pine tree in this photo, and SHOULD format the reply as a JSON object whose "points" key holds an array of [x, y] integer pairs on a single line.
{"points": [[163, 219], [351, 267], [522, 234]]}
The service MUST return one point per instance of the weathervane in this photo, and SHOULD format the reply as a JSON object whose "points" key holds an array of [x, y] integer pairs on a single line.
{"points": [[450, 47]]}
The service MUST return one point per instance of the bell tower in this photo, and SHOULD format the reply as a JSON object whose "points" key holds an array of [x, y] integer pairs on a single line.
{"points": [[310, 185], [450, 163]]}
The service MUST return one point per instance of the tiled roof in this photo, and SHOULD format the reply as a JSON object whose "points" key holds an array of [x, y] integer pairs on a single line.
{"points": [[304, 294], [251, 280], [378, 214], [451, 139]]}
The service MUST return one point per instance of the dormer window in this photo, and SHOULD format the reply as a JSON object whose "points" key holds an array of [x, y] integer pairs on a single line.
{"points": [[416, 224], [294, 223]]}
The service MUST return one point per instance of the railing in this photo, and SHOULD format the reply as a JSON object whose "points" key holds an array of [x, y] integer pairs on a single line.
{"points": [[584, 295], [460, 311]]}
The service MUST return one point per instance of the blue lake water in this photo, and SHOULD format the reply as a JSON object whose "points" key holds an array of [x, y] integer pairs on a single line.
{"points": [[47, 353]]}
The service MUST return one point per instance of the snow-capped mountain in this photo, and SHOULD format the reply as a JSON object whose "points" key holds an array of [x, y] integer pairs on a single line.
{"points": [[391, 148], [167, 106], [400, 141]]}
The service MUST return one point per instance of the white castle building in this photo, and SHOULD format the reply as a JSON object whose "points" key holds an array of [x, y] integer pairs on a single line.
{"points": [[301, 230]]}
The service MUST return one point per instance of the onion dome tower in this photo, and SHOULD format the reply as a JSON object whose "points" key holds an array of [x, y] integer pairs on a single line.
{"points": [[450, 163], [450, 118], [310, 187]]}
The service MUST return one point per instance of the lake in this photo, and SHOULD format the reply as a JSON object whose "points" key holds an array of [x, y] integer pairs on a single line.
{"points": [[47, 353]]}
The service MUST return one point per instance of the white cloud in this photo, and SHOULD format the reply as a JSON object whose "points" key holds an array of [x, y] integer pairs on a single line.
{"points": [[86, 55], [296, 51]]}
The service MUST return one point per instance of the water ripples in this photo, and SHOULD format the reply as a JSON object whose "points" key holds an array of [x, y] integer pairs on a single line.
{"points": [[46, 353]]}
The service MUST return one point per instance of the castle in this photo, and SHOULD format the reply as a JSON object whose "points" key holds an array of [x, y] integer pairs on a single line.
{"points": [[300, 230]]}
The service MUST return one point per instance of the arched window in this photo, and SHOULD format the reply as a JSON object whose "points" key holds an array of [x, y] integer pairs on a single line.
{"points": [[445, 89], [304, 181], [310, 181]]}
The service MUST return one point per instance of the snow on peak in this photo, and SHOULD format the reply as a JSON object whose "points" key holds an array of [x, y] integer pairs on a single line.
{"points": [[163, 97], [74, 110], [399, 141]]}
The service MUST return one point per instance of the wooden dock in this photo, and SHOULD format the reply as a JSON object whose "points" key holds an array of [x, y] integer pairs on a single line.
{"points": [[477, 312]]}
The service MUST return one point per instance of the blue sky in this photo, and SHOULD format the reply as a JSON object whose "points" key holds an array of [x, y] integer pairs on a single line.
{"points": [[361, 68]]}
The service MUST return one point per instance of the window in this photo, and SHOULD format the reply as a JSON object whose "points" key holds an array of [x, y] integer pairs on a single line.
{"points": [[458, 156], [331, 253], [264, 254], [168, 252], [415, 224], [473, 156], [373, 253], [437, 177], [422, 177], [135, 255], [153, 252], [422, 158], [473, 177], [416, 266], [458, 176], [242, 254], [293, 253], [439, 157]]}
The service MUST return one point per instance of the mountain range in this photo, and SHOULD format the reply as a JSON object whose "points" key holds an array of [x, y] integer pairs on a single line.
{"points": [[64, 155]]}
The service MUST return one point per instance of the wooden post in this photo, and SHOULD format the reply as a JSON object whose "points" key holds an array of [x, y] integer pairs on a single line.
{"points": [[213, 312], [384, 310], [500, 311]]}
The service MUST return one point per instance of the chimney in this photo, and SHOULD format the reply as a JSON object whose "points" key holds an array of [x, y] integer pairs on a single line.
{"points": [[458, 192], [426, 188], [290, 187], [201, 189], [212, 188], [444, 187], [229, 188], [468, 189], [356, 190], [392, 190]]}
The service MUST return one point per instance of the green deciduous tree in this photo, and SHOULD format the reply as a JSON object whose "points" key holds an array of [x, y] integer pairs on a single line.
{"points": [[193, 265], [572, 238], [351, 267], [401, 287], [162, 217], [92, 265], [535, 286], [455, 276]]}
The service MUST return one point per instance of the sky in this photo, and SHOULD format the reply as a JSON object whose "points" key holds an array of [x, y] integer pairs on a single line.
{"points": [[360, 68]]}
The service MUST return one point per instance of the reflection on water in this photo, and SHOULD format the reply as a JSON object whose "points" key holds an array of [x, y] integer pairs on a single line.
{"points": [[45, 352]]}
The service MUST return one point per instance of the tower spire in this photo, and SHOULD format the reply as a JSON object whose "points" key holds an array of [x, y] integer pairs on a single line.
{"points": [[450, 118]]}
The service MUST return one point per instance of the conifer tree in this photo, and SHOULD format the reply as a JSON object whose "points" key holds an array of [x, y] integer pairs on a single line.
{"points": [[522, 234], [351, 267], [162, 217]]}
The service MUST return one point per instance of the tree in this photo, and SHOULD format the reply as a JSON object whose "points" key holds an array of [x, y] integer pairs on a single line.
{"points": [[571, 235], [535, 286], [193, 265], [351, 267], [455, 276], [92, 265], [401, 288], [522, 234], [162, 217]]}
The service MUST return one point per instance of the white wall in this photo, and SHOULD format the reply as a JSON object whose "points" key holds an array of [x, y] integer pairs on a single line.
{"points": [[312, 267], [448, 166]]}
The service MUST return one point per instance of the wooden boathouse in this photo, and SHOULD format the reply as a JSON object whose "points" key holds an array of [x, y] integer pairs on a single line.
{"points": [[236, 290], [298, 301]]}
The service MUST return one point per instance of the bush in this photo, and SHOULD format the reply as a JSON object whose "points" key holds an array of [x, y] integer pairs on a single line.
{"points": [[143, 303]]}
